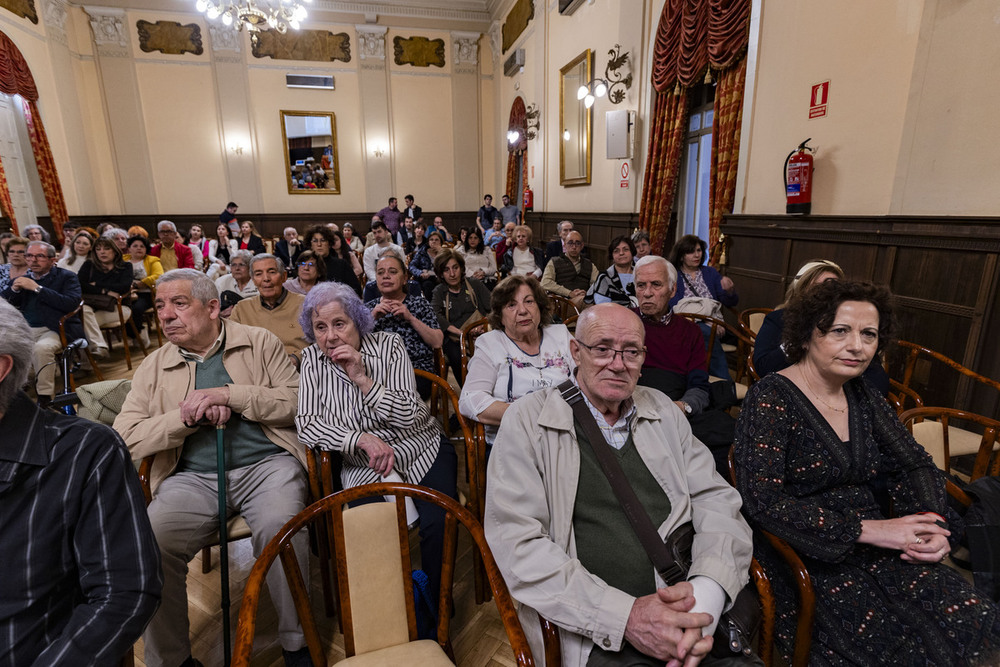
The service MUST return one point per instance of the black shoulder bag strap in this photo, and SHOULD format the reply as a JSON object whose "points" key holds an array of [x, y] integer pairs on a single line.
{"points": [[643, 526]]}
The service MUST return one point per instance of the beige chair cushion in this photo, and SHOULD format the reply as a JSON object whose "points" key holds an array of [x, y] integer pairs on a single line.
{"points": [[236, 529], [106, 318], [415, 654], [756, 320], [375, 578], [930, 435], [741, 389]]}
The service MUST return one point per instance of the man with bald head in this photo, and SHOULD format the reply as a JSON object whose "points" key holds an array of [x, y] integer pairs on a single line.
{"points": [[562, 540]]}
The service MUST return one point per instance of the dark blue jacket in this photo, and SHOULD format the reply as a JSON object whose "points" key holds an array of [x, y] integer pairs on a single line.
{"points": [[60, 294]]}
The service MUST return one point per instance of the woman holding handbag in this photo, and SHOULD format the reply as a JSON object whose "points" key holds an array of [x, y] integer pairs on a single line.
{"points": [[697, 287], [103, 280]]}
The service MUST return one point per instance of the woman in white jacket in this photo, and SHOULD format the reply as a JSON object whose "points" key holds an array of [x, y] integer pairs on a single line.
{"points": [[219, 250]]}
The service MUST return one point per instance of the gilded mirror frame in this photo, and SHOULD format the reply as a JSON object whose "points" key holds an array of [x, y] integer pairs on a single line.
{"points": [[578, 122], [319, 154]]}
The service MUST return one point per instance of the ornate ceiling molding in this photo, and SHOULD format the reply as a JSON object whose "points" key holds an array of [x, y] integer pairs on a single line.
{"points": [[473, 11], [54, 13]]}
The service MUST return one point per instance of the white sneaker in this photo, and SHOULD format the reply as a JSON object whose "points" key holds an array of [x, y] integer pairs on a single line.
{"points": [[101, 352], [144, 337]]}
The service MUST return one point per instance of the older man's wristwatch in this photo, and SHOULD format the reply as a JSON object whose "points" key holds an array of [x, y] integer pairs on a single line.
{"points": [[687, 408]]}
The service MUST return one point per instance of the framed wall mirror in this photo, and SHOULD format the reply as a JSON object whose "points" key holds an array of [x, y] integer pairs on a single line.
{"points": [[575, 122], [310, 140]]}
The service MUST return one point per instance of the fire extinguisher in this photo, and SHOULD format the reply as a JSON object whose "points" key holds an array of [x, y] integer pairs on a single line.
{"points": [[797, 175], [528, 200]]}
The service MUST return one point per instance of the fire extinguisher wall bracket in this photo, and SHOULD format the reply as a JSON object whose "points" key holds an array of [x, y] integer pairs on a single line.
{"points": [[797, 175]]}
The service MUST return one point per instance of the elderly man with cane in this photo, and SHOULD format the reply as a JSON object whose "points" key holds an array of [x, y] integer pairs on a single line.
{"points": [[214, 373]]}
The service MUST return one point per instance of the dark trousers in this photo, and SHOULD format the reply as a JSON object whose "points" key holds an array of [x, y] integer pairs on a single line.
{"points": [[453, 353], [629, 656]]}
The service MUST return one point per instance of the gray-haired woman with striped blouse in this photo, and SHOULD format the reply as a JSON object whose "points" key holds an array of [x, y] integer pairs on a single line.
{"points": [[358, 397]]}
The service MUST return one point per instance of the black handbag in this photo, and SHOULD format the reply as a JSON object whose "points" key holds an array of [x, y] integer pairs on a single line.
{"points": [[101, 302], [671, 557]]}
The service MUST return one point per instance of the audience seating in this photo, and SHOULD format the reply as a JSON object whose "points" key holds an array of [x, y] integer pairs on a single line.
{"points": [[931, 427], [562, 308], [751, 320], [373, 553], [110, 324], [915, 354], [898, 395], [151, 320], [743, 350], [78, 311], [467, 342]]}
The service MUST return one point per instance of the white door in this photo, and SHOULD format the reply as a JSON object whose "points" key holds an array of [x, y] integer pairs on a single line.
{"points": [[13, 162]]}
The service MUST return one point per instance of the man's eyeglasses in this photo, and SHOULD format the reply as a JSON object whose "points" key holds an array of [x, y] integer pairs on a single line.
{"points": [[36, 256], [307, 264], [574, 243], [630, 355]]}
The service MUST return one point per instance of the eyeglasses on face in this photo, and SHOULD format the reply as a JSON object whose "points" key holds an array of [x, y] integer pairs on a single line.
{"points": [[310, 264], [630, 355], [36, 256]]}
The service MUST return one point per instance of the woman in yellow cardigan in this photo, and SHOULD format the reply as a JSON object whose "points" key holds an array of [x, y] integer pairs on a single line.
{"points": [[146, 270]]}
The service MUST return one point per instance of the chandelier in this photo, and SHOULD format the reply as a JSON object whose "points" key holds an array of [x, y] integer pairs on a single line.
{"points": [[255, 15]]}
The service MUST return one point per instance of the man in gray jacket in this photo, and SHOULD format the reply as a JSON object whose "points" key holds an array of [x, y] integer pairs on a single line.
{"points": [[561, 538]]}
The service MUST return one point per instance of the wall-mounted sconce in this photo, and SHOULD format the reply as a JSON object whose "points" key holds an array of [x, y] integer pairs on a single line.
{"points": [[513, 136], [237, 147], [615, 82], [531, 115], [378, 151]]}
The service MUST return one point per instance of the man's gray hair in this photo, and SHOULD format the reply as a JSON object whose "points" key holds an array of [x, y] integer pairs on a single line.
{"points": [[165, 224], [113, 233], [263, 256], [564, 222], [285, 230], [245, 255], [658, 261], [17, 342], [50, 250], [202, 287]]}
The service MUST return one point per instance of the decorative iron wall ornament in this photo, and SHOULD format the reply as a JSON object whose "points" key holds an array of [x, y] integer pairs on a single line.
{"points": [[517, 20], [618, 74], [320, 45], [418, 51], [169, 37], [21, 8]]}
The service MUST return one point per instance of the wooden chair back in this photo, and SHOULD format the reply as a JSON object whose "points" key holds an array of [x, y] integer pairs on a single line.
{"points": [[922, 371], [562, 307], [751, 320], [933, 429], [359, 605], [898, 393], [744, 346], [470, 332]]}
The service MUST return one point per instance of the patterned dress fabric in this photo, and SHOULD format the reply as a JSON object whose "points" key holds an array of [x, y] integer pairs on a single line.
{"points": [[800, 482]]}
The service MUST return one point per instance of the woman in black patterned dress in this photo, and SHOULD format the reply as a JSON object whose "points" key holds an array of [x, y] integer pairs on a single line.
{"points": [[818, 453]]}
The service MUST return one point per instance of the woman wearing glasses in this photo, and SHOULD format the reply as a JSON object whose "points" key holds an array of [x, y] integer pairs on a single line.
{"points": [[312, 270], [525, 352]]}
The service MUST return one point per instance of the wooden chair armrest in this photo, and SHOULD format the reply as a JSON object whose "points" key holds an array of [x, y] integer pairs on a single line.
{"points": [[145, 469], [807, 599]]}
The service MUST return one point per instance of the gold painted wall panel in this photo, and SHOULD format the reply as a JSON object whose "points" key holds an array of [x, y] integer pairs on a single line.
{"points": [[319, 45], [169, 37], [522, 12], [22, 8], [418, 51]]}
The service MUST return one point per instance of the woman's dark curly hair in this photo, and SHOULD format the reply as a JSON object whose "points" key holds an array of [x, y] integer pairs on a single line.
{"points": [[141, 239], [817, 307], [504, 293], [687, 244], [323, 231]]}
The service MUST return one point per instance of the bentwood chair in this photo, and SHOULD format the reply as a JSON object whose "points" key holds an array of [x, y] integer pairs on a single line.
{"points": [[375, 581], [562, 307], [470, 332], [932, 428], [116, 323], [743, 349], [923, 369], [751, 320]]}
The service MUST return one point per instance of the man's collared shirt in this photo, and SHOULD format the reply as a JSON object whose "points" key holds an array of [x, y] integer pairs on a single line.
{"points": [[219, 342], [280, 300], [616, 434]]}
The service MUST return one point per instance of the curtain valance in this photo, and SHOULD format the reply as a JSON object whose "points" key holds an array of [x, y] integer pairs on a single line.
{"points": [[695, 34]]}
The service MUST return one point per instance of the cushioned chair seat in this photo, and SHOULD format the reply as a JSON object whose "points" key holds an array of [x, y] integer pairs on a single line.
{"points": [[930, 435], [415, 654], [107, 318]]}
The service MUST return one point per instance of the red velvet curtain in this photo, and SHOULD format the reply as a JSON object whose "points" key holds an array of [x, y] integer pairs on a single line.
{"points": [[16, 79], [6, 205], [725, 150], [46, 167], [517, 151], [692, 36]]}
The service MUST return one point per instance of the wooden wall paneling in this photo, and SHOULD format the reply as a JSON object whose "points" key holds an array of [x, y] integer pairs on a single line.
{"points": [[944, 271]]}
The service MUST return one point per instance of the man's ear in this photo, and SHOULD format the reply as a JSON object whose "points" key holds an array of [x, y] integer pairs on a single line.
{"points": [[6, 365]]}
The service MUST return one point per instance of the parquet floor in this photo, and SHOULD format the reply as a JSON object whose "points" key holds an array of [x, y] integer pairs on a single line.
{"points": [[478, 636]]}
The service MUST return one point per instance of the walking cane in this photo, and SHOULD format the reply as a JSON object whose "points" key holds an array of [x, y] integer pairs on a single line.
{"points": [[220, 430]]}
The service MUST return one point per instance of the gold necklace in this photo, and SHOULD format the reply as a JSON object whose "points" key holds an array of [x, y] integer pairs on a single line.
{"points": [[808, 384]]}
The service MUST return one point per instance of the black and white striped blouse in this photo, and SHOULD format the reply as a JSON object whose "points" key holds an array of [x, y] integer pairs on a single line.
{"points": [[333, 413]]}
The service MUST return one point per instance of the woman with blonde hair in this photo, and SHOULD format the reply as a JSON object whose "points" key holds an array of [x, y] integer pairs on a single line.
{"points": [[249, 239], [78, 251]]}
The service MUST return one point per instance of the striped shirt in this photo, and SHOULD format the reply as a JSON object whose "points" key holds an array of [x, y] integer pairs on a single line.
{"points": [[81, 566], [333, 413]]}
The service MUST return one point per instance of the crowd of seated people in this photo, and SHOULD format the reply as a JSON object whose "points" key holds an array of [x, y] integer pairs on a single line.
{"points": [[242, 323]]}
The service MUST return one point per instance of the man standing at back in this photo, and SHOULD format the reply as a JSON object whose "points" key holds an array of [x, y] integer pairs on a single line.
{"points": [[563, 541], [487, 212], [214, 372], [81, 568], [412, 210], [228, 217], [391, 216], [509, 212]]}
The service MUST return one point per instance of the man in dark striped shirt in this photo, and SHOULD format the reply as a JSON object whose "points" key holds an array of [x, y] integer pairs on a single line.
{"points": [[81, 567]]}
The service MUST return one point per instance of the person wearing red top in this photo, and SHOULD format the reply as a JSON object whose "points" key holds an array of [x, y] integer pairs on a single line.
{"points": [[172, 255]]}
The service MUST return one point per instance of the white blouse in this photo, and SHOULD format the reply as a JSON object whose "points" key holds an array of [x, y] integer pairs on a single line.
{"points": [[502, 371], [524, 263], [485, 262], [73, 265], [333, 414]]}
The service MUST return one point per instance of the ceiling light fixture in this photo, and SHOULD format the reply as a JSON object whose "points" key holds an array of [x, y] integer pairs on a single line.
{"points": [[255, 15]]}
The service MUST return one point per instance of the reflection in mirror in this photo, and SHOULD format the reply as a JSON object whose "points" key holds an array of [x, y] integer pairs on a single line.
{"points": [[575, 121], [310, 139]]}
